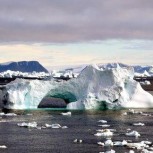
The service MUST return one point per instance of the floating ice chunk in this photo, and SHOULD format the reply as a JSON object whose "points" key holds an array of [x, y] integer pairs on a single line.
{"points": [[64, 127], [100, 143], [146, 151], [55, 126], [125, 113], [3, 147], [128, 129], [146, 142], [138, 124], [137, 145], [67, 114], [120, 143], [39, 128], [48, 125], [102, 121], [131, 151], [108, 143], [145, 114], [104, 126], [133, 133], [29, 114], [29, 125], [110, 151], [103, 130], [8, 114], [77, 141], [105, 133]]}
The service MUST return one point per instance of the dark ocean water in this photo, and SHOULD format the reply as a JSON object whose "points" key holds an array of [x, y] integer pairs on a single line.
{"points": [[81, 125]]}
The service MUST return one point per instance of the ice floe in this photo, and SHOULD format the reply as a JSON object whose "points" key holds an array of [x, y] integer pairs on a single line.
{"points": [[133, 134], [3, 147], [104, 133], [102, 121], [67, 114], [138, 124], [28, 125]]}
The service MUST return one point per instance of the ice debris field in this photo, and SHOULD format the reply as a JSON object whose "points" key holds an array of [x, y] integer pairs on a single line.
{"points": [[94, 88]]}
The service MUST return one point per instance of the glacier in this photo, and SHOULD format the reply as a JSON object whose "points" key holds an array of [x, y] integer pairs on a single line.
{"points": [[94, 88]]}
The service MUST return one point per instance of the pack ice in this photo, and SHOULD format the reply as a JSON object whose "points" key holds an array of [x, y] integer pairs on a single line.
{"points": [[92, 89]]}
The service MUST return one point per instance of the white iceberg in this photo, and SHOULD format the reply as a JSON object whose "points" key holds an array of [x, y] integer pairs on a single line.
{"points": [[92, 89]]}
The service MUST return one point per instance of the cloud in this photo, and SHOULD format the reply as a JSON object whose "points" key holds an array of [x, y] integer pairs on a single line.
{"points": [[66, 21]]}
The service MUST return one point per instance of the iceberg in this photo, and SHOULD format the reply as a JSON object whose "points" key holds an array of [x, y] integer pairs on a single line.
{"points": [[94, 88]]}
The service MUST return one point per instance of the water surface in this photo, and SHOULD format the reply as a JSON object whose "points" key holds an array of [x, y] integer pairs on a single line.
{"points": [[81, 125]]}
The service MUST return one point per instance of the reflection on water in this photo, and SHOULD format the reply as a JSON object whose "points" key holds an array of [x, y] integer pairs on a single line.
{"points": [[81, 125]]}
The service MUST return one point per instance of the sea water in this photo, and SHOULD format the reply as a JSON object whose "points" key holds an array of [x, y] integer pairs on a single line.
{"points": [[82, 125]]}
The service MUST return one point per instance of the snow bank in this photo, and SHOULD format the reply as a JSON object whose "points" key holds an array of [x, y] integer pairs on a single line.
{"points": [[92, 89]]}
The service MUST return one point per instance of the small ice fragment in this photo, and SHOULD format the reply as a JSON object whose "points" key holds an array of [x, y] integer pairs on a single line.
{"points": [[67, 114], [125, 113], [120, 143], [102, 121], [108, 143], [128, 129], [48, 125], [138, 124], [105, 133], [100, 143], [105, 125], [145, 114], [146, 142], [110, 151], [75, 141], [38, 127], [55, 126], [137, 145], [8, 114], [29, 114], [3, 147], [29, 125], [131, 151], [133, 133], [64, 127]]}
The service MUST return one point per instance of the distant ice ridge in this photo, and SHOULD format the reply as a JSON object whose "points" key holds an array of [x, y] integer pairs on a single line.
{"points": [[11, 74], [92, 89], [138, 69]]}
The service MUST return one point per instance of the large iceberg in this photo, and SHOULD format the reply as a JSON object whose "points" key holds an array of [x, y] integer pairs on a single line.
{"points": [[92, 89]]}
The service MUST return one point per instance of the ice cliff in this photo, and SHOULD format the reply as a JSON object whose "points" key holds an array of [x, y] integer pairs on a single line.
{"points": [[92, 89]]}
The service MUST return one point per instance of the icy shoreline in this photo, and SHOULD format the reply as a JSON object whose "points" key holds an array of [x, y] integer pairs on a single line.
{"points": [[92, 89]]}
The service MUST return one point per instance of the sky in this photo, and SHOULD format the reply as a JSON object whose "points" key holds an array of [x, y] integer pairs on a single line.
{"points": [[73, 32]]}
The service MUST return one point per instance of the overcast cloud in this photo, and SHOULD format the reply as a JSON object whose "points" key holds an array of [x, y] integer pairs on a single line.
{"points": [[59, 21]]}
